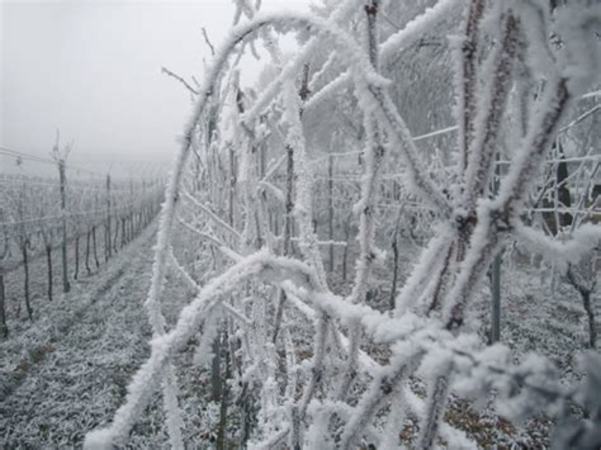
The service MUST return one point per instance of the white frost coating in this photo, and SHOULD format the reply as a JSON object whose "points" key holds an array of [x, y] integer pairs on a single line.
{"points": [[327, 91], [172, 191], [421, 272], [434, 362], [325, 69], [405, 356], [475, 378], [341, 14], [146, 379], [485, 237], [180, 271], [457, 439], [491, 104], [245, 321], [396, 417], [273, 167], [562, 250], [417, 27], [534, 16], [526, 162], [370, 87], [305, 284], [592, 94], [373, 156], [496, 214], [364, 207], [226, 251], [274, 190], [214, 217], [173, 415], [168, 213], [417, 180], [308, 239], [366, 362], [578, 27], [204, 351], [383, 328], [388, 49], [483, 243], [101, 439], [304, 182]]}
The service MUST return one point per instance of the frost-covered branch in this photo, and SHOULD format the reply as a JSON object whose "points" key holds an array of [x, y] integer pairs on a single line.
{"points": [[302, 386], [214, 217], [180, 79]]}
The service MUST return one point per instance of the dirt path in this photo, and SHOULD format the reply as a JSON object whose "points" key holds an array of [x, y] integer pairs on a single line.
{"points": [[60, 378]]}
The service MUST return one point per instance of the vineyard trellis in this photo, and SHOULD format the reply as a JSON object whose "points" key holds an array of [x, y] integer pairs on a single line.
{"points": [[243, 187], [41, 214]]}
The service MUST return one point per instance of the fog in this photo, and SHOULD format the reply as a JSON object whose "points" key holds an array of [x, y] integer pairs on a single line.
{"points": [[93, 70]]}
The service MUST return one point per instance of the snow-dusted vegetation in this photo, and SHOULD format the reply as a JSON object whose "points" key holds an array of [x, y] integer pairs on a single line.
{"points": [[87, 219], [390, 240]]}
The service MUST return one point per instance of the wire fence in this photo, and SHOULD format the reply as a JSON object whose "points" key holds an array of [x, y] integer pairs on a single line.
{"points": [[86, 222]]}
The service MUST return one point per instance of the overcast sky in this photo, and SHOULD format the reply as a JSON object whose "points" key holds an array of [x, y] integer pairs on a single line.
{"points": [[93, 69]]}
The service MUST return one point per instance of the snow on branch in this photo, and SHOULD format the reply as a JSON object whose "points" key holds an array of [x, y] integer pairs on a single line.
{"points": [[410, 33], [299, 405], [343, 11], [563, 251], [483, 144], [180, 79], [214, 217], [145, 381], [417, 27]]}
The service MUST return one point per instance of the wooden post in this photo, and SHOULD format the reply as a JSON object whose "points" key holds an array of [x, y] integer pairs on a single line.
{"points": [[288, 224], [76, 274], [88, 236], [395, 268], [289, 218], [49, 267], [223, 407], [3, 327], [495, 277], [123, 231], [347, 236], [331, 212], [233, 181], [94, 246], [115, 247], [107, 230], [24, 245], [495, 330], [23, 241], [63, 193], [3, 255], [131, 215]]}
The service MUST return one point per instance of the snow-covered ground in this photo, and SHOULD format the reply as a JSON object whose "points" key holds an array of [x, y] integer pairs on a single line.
{"points": [[65, 373]]}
